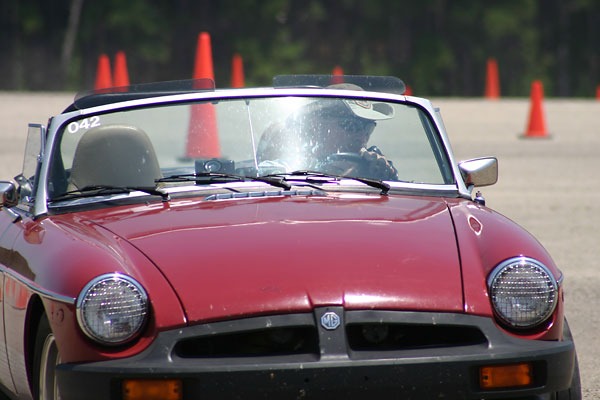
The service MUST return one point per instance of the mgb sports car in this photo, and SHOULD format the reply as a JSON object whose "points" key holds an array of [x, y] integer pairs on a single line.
{"points": [[313, 239]]}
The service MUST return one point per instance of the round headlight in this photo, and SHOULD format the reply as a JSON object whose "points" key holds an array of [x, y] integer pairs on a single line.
{"points": [[523, 292], [112, 308]]}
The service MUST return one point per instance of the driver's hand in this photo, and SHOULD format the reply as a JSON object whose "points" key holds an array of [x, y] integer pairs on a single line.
{"points": [[379, 166]]}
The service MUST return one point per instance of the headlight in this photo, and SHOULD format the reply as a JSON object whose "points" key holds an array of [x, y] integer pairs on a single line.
{"points": [[112, 308], [523, 292]]}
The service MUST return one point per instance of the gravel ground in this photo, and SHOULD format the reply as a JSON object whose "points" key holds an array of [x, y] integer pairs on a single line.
{"points": [[550, 186]]}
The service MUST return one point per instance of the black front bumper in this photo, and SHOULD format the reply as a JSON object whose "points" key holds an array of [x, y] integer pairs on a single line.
{"points": [[340, 367]]}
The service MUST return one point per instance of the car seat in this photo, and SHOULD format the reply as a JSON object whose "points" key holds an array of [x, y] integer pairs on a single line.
{"points": [[114, 155]]}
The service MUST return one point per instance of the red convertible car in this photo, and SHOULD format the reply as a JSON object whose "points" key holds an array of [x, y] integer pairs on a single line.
{"points": [[314, 239]]}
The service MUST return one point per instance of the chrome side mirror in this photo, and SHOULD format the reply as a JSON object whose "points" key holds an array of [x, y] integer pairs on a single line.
{"points": [[8, 194], [479, 171]]}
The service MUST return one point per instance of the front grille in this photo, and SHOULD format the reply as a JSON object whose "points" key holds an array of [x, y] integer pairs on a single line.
{"points": [[359, 334], [256, 343], [391, 337]]}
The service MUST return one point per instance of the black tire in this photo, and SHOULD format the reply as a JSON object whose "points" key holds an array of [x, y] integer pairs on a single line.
{"points": [[46, 359], [574, 391]]}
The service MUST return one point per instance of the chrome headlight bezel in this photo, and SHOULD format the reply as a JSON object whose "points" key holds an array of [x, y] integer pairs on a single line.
{"points": [[124, 333], [509, 306]]}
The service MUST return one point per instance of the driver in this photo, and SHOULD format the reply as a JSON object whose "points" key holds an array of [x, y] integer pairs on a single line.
{"points": [[331, 136]]}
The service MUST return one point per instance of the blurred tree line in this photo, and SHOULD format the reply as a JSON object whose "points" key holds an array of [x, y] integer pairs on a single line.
{"points": [[439, 47]]}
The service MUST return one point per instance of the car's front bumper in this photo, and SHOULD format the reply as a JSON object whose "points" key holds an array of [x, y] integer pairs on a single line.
{"points": [[441, 359]]}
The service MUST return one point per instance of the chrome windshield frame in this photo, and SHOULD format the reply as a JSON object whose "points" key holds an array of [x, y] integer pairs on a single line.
{"points": [[57, 123]]}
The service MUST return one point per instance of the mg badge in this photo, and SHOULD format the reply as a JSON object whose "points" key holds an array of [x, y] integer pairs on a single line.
{"points": [[330, 320]]}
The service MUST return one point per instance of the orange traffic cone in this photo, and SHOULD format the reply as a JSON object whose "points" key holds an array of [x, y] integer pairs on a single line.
{"points": [[103, 77], [492, 82], [121, 75], [536, 127], [598, 92], [203, 136], [203, 67], [237, 72], [337, 75]]}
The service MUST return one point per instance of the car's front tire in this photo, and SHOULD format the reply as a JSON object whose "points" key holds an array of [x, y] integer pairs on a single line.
{"points": [[45, 362]]}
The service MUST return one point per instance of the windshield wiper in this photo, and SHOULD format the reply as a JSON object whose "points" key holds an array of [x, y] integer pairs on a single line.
{"points": [[376, 183], [98, 190], [279, 180], [213, 177], [274, 181], [201, 178]]}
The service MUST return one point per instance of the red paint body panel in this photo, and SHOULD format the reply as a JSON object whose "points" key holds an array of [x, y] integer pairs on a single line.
{"points": [[61, 254], [251, 256], [7, 237], [210, 260], [485, 239]]}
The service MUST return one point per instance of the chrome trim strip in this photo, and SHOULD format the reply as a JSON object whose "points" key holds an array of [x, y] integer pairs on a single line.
{"points": [[518, 260], [38, 290], [398, 188], [14, 216], [245, 195], [241, 93]]}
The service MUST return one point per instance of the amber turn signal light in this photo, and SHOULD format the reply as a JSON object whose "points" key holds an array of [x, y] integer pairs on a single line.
{"points": [[503, 376], [152, 389]]}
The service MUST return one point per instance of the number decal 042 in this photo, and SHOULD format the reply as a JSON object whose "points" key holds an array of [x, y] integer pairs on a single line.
{"points": [[85, 123]]}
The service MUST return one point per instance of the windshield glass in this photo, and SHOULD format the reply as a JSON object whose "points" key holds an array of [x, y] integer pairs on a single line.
{"points": [[251, 137]]}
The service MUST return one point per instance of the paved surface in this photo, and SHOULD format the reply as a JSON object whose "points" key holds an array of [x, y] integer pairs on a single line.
{"points": [[550, 186]]}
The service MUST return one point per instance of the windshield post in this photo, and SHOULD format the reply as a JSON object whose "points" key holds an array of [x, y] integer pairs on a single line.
{"points": [[252, 136]]}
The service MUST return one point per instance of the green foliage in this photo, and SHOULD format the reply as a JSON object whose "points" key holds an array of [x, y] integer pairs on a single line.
{"points": [[33, 22], [439, 47]]}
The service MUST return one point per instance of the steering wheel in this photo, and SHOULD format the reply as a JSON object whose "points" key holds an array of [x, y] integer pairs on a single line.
{"points": [[357, 164]]}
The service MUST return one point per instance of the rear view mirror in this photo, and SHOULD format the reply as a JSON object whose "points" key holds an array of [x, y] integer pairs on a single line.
{"points": [[479, 171], [8, 194]]}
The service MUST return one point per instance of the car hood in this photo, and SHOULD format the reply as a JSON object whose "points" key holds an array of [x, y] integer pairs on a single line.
{"points": [[227, 258]]}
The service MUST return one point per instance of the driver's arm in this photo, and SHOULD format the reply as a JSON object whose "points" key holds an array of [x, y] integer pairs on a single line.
{"points": [[379, 165]]}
